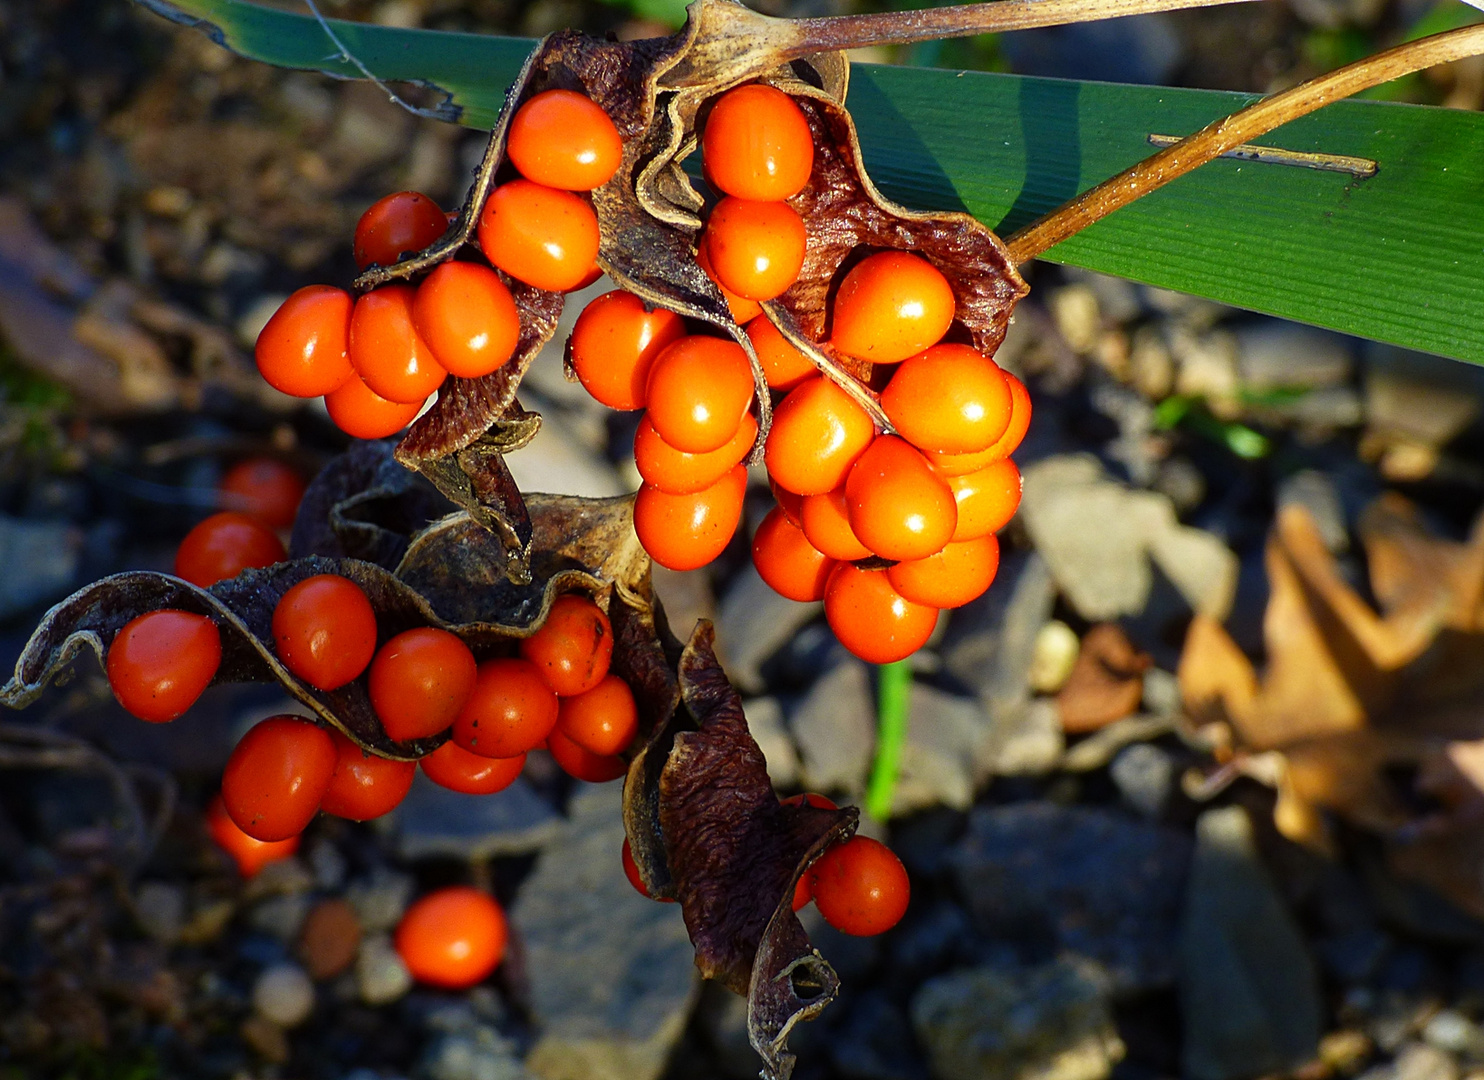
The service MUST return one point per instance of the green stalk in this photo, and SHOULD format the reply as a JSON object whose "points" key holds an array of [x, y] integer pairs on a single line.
{"points": [[893, 689]]}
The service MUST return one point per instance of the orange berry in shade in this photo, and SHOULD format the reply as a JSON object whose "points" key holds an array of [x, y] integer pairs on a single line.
{"points": [[741, 308], [803, 888], [362, 413], [398, 224], [699, 388], [986, 499], [603, 720], [786, 560], [277, 775], [467, 317], [680, 473], [582, 764], [684, 532], [265, 488], [1020, 419], [949, 397], [898, 506], [818, 433], [536, 234], [572, 649], [860, 887], [949, 578], [303, 350], [890, 306], [159, 663], [757, 144], [872, 619], [452, 938], [364, 786], [453, 767], [250, 855], [223, 546], [631, 871], [419, 680], [784, 365], [792, 505], [755, 248], [510, 711], [386, 350], [614, 344], [564, 140], [826, 524], [324, 630]]}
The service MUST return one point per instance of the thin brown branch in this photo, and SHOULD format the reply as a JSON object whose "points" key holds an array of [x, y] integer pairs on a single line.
{"points": [[1232, 131]]}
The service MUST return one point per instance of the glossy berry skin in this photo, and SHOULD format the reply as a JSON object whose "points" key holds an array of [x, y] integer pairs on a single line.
{"points": [[223, 546], [986, 499], [324, 631], [791, 504], [783, 365], [755, 248], [950, 578], [276, 777], [265, 488], [398, 224], [899, 507], [364, 786], [949, 398], [742, 309], [826, 523], [564, 140], [362, 413], [946, 465], [510, 711], [679, 473], [582, 764], [303, 350], [803, 888], [603, 720], [860, 887], [386, 350], [1020, 419], [684, 532], [452, 938], [872, 619], [250, 855], [818, 434], [631, 871], [159, 663], [536, 234], [614, 344], [786, 560], [467, 317], [453, 767], [572, 649], [890, 306], [757, 145], [419, 681], [698, 390]]}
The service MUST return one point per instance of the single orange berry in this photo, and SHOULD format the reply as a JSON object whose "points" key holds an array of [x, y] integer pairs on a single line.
{"points": [[265, 488], [946, 465], [684, 532], [890, 306], [249, 854], [1020, 419], [303, 350], [784, 365], [949, 578], [419, 681], [364, 786], [898, 506], [803, 888], [986, 499], [680, 473], [509, 712], [386, 349], [818, 434], [467, 317], [872, 619], [699, 387], [741, 308], [603, 720], [582, 764], [614, 344], [631, 871], [455, 768], [362, 413], [159, 663], [276, 776], [223, 546], [860, 887], [572, 649], [324, 631], [826, 523], [537, 234], [756, 248], [757, 144], [564, 140], [787, 561], [950, 398], [790, 503], [398, 224], [452, 938]]}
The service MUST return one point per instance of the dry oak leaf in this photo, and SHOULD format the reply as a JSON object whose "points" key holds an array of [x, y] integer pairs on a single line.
{"points": [[1106, 683]]}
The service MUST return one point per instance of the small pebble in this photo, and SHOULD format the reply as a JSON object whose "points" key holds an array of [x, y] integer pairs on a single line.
{"points": [[381, 977], [330, 938], [1055, 653], [284, 994]]}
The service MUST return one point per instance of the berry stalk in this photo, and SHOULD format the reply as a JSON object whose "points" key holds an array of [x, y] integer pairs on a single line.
{"points": [[893, 690]]}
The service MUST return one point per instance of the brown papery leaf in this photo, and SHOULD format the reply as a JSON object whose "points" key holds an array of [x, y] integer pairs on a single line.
{"points": [[1106, 683]]}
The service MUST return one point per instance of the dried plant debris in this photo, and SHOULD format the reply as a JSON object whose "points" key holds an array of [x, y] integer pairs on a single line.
{"points": [[1106, 683]]}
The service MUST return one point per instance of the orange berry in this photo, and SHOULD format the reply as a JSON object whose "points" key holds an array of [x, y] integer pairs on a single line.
{"points": [[860, 887], [786, 560], [959, 464], [364, 786], [386, 350], [631, 871], [757, 145], [1020, 418], [304, 349], [573, 648], [784, 365], [603, 720], [419, 681], [537, 234], [362, 413], [986, 499], [680, 473], [818, 433], [265, 488], [467, 317], [790, 503], [324, 631], [741, 308], [872, 619], [455, 768], [398, 224], [950, 398], [510, 710], [890, 306], [949, 578], [898, 506], [684, 532], [583, 764], [804, 888], [276, 776], [564, 140], [826, 524], [615, 343], [223, 546], [699, 387], [249, 854], [452, 938], [756, 248], [159, 663]]}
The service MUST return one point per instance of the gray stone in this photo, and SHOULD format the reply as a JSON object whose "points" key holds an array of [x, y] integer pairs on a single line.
{"points": [[161, 908], [381, 976], [1415, 1061], [990, 642], [1207, 367], [280, 916], [765, 721], [327, 865], [579, 917], [557, 461], [1248, 989], [1103, 745], [1024, 740], [937, 766], [1161, 692], [834, 727], [1144, 775], [1085, 880], [40, 560], [480, 1053], [753, 623], [433, 820], [875, 1042], [723, 1018], [1317, 493], [686, 596], [1454, 1033], [1283, 356], [380, 899], [284, 994], [1046, 1023]]}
